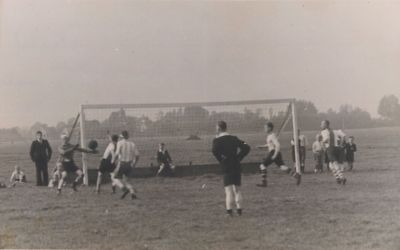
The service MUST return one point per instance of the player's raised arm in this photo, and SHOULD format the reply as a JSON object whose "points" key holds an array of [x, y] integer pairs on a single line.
{"points": [[85, 150]]}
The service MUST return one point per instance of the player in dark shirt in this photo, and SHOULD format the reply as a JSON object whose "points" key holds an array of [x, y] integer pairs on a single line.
{"points": [[66, 159], [229, 150], [165, 161]]}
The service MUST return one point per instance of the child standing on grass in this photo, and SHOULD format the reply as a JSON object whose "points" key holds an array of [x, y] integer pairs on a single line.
{"points": [[17, 176], [319, 153], [350, 148]]}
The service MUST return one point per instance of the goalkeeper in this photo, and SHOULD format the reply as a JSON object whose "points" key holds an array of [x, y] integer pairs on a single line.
{"points": [[165, 161], [68, 165]]}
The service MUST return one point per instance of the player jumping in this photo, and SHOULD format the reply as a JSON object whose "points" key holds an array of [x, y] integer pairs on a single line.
{"points": [[66, 158], [274, 156]]}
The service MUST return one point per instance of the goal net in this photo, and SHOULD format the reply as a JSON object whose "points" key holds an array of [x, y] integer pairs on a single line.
{"points": [[187, 129]]}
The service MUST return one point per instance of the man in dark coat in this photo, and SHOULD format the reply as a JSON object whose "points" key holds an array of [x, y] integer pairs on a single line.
{"points": [[41, 154], [229, 151]]}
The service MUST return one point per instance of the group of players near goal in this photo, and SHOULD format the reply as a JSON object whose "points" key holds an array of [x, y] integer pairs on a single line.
{"points": [[122, 155], [229, 150]]}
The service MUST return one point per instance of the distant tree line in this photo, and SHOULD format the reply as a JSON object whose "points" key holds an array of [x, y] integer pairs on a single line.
{"points": [[198, 120]]}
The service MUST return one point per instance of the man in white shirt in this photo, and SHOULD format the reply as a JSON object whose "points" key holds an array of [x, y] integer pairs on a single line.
{"points": [[318, 150], [107, 164], [128, 157], [274, 156], [332, 140]]}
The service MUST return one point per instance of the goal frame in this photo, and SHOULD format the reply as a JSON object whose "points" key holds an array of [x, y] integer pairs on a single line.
{"points": [[290, 101]]}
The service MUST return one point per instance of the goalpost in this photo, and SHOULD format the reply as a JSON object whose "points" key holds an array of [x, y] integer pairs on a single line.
{"points": [[187, 129]]}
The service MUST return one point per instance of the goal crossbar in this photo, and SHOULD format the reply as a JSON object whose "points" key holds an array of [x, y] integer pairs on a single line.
{"points": [[181, 104]]}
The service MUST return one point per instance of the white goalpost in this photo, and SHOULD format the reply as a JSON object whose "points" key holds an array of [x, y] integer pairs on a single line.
{"points": [[187, 129]]}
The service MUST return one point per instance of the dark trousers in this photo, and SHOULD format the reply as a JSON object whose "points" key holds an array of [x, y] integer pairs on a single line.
{"points": [[42, 175]]}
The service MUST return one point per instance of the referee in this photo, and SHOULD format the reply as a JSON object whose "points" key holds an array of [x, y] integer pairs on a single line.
{"points": [[229, 150]]}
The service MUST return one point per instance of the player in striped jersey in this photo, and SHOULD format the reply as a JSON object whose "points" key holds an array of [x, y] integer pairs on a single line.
{"points": [[107, 164], [128, 157], [332, 140]]}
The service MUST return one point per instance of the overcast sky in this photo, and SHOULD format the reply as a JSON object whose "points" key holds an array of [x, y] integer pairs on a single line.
{"points": [[56, 54]]}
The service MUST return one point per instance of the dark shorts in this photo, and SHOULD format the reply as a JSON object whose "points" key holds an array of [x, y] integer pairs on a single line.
{"points": [[331, 154], [278, 160], [19, 180], [69, 167], [340, 154], [124, 169], [106, 166], [233, 179]]}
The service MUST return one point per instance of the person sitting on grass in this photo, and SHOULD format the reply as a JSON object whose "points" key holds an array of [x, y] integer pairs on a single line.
{"points": [[165, 161], [17, 176]]}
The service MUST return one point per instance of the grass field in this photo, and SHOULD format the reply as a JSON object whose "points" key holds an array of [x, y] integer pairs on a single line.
{"points": [[177, 213]]}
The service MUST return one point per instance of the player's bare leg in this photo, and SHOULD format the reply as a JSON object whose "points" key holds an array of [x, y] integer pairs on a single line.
{"points": [[61, 182], [113, 186], [238, 199], [160, 170], [229, 199], [77, 179], [128, 189]]}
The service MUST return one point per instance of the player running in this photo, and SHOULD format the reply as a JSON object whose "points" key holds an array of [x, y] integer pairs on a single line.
{"points": [[274, 156], [229, 151], [128, 157], [68, 165], [332, 140], [107, 163]]}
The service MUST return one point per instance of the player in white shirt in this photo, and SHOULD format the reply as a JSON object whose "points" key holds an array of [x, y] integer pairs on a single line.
{"points": [[332, 140], [128, 157], [107, 164], [318, 150], [274, 156]]}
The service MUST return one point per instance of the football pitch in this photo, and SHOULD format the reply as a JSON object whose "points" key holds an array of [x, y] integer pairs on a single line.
{"points": [[178, 213]]}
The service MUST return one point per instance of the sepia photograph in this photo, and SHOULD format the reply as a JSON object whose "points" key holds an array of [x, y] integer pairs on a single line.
{"points": [[200, 124]]}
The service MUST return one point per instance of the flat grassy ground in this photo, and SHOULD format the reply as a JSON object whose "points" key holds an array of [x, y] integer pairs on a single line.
{"points": [[178, 213]]}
